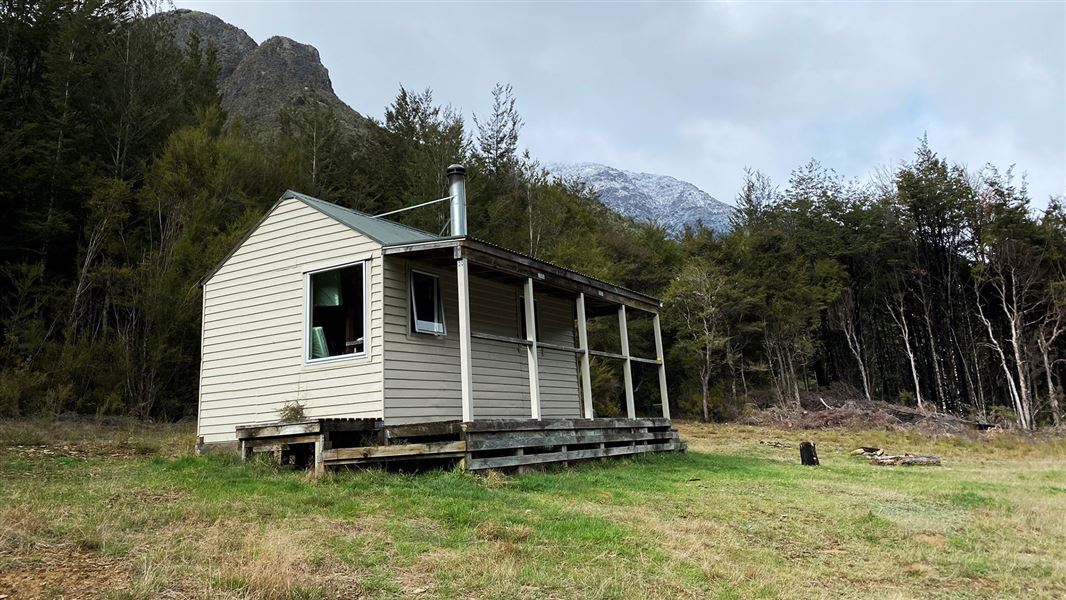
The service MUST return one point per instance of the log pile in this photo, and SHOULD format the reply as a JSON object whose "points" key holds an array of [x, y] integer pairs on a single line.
{"points": [[905, 460], [878, 457], [867, 451]]}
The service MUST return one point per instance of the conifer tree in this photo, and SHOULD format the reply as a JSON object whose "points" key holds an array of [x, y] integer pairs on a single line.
{"points": [[497, 139]]}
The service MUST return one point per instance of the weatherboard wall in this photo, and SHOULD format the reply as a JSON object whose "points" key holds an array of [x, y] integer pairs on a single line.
{"points": [[253, 327], [253, 353], [421, 372]]}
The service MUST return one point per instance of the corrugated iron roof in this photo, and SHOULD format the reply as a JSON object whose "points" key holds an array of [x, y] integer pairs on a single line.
{"points": [[380, 230], [389, 233]]}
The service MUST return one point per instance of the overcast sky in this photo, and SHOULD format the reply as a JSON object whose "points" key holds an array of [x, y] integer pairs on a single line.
{"points": [[699, 91]]}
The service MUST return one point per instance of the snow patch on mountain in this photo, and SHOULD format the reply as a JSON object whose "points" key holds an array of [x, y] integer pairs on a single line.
{"points": [[647, 197]]}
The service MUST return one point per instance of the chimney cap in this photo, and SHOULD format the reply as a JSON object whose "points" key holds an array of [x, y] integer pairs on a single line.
{"points": [[456, 169]]}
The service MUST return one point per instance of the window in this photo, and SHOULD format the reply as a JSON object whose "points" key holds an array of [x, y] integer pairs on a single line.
{"points": [[522, 318], [337, 306], [427, 307]]}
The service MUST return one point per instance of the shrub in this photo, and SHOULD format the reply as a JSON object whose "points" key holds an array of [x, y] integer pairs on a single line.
{"points": [[292, 411]]}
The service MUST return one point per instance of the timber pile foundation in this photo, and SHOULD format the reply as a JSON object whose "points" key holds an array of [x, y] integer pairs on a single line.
{"points": [[476, 445]]}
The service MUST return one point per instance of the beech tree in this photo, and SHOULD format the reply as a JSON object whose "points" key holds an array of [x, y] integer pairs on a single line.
{"points": [[699, 311]]}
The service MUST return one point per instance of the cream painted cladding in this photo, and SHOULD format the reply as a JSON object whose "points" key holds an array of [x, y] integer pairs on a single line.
{"points": [[254, 333], [422, 371], [253, 327]]}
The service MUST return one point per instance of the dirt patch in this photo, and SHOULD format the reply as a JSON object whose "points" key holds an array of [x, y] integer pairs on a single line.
{"points": [[420, 578], [62, 571], [490, 530], [933, 539], [76, 451]]}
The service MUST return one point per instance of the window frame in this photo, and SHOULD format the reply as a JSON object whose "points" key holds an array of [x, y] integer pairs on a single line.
{"points": [[308, 305], [438, 305]]}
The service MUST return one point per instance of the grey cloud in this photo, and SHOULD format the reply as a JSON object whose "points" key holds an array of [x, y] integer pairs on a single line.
{"points": [[699, 91]]}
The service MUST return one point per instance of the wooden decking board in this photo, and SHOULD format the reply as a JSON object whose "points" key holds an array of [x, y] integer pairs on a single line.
{"points": [[278, 430], [519, 460], [310, 426], [415, 430], [486, 444], [351, 424], [499, 442], [412, 450], [527, 424]]}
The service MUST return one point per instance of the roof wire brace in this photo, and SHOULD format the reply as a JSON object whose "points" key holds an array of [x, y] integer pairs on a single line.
{"points": [[400, 210]]}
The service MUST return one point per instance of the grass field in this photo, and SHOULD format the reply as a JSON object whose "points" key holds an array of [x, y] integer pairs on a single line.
{"points": [[89, 511]]}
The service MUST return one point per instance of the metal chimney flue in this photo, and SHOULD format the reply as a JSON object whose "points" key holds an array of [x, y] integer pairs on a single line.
{"points": [[457, 190]]}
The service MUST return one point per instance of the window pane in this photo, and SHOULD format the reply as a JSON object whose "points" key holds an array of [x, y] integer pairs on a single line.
{"points": [[337, 326], [427, 313]]}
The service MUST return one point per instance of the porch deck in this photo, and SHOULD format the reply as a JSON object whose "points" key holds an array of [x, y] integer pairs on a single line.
{"points": [[476, 445]]}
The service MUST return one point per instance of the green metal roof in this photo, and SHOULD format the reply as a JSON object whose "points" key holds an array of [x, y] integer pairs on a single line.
{"points": [[383, 231], [386, 233]]}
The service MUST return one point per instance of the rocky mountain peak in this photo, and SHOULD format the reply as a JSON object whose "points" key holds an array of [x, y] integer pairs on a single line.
{"points": [[231, 43], [258, 80], [280, 72]]}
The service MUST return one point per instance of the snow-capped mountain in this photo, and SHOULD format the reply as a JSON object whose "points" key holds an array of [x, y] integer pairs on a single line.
{"points": [[647, 197]]}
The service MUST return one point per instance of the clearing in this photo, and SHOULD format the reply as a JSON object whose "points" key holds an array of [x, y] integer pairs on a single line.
{"points": [[91, 511]]}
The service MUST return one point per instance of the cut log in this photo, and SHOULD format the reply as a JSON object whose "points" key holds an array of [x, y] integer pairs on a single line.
{"points": [[905, 459], [868, 452], [808, 454]]}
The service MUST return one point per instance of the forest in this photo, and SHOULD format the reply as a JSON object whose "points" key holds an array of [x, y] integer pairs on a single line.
{"points": [[123, 182]]}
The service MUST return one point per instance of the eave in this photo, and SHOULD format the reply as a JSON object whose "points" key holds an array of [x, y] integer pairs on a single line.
{"points": [[494, 258]]}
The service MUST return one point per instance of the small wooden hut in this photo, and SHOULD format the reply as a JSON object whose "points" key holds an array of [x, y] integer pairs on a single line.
{"points": [[400, 345]]}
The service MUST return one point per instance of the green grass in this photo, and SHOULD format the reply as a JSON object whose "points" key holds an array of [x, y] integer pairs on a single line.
{"points": [[130, 513]]}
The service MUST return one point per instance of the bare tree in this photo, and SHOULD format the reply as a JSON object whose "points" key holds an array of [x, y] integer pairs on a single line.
{"points": [[846, 317], [1050, 328], [898, 312], [1014, 278]]}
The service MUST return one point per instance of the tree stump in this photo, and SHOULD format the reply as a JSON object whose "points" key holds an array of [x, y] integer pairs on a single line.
{"points": [[808, 454]]}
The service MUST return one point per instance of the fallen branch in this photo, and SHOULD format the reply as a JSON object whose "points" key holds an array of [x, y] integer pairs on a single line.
{"points": [[905, 460]]}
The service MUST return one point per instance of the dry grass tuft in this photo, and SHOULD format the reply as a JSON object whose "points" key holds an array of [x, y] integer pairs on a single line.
{"points": [[277, 565], [490, 530], [19, 526], [494, 479]]}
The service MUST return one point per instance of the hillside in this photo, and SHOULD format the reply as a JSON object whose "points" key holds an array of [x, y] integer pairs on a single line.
{"points": [[258, 80], [648, 197]]}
